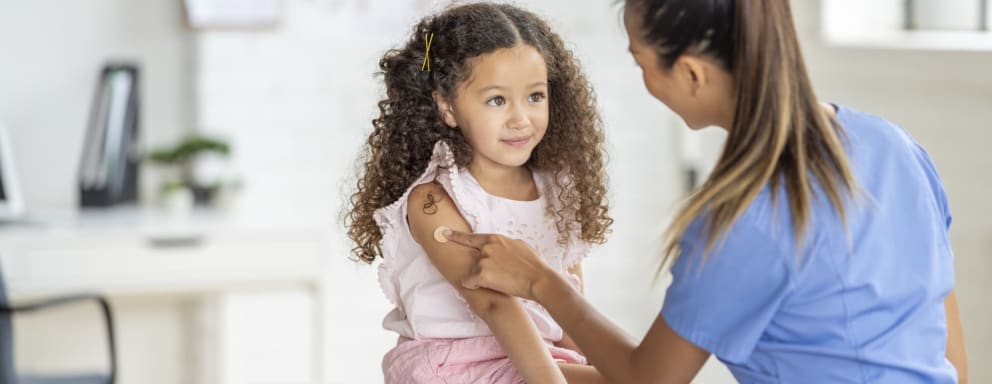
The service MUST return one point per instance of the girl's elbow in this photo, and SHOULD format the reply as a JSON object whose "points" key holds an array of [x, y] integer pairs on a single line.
{"points": [[490, 304]]}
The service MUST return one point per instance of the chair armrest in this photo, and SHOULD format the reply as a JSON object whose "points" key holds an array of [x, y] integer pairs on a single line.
{"points": [[71, 299]]}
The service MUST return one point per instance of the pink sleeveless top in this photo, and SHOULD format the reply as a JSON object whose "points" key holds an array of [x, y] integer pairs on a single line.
{"points": [[426, 305]]}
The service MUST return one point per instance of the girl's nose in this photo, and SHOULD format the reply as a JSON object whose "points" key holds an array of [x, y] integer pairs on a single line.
{"points": [[519, 119]]}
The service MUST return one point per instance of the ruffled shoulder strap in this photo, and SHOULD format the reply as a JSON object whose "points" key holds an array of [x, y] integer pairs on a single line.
{"points": [[392, 218], [440, 169]]}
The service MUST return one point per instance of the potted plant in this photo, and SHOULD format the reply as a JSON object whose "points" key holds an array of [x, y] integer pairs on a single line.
{"points": [[181, 160]]}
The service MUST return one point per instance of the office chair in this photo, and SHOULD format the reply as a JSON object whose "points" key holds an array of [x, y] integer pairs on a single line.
{"points": [[8, 375]]}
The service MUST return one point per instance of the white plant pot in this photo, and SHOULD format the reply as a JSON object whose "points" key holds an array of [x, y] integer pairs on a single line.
{"points": [[177, 202]]}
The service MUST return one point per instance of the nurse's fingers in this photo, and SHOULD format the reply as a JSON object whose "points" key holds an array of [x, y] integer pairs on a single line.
{"points": [[471, 240], [478, 278]]}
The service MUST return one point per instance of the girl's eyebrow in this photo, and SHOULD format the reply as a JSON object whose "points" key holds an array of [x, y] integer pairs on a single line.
{"points": [[484, 89], [532, 85]]}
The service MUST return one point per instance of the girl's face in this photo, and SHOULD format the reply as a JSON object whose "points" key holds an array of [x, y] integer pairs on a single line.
{"points": [[695, 88], [502, 109]]}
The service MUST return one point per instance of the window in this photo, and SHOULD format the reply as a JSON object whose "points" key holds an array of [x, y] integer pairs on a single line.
{"points": [[961, 15], [945, 25]]}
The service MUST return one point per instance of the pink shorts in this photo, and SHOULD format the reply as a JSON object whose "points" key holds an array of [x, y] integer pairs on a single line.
{"points": [[477, 360]]}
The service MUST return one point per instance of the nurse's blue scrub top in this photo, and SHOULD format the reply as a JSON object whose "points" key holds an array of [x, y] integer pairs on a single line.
{"points": [[863, 307]]}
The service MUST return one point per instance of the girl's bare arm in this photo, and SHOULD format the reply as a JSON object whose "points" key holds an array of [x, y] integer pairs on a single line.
{"points": [[431, 207]]}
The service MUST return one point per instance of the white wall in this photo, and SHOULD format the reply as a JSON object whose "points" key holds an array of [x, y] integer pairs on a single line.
{"points": [[54, 50]]}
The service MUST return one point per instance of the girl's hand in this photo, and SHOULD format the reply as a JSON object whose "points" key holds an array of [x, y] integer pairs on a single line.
{"points": [[503, 264]]}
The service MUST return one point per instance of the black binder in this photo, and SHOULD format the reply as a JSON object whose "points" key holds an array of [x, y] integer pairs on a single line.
{"points": [[108, 170]]}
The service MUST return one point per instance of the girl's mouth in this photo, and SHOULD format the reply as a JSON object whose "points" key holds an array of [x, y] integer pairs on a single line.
{"points": [[517, 142]]}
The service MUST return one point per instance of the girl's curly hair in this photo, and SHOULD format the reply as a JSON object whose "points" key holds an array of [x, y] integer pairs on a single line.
{"points": [[409, 123]]}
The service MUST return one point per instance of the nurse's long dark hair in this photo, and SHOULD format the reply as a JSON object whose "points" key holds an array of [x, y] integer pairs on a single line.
{"points": [[780, 132]]}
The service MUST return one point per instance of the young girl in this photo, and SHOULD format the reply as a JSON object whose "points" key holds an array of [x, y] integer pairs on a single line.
{"points": [[488, 125]]}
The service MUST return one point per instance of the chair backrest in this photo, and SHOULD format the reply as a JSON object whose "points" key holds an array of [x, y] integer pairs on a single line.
{"points": [[7, 374]]}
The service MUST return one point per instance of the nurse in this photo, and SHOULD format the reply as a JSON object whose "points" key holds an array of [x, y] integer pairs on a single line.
{"points": [[816, 252]]}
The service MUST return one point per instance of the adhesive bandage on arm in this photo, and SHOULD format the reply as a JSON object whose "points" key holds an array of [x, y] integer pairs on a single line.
{"points": [[439, 234]]}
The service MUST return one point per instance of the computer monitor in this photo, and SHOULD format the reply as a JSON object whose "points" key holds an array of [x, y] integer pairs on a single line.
{"points": [[11, 204]]}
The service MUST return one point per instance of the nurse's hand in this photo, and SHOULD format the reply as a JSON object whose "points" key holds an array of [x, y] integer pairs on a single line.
{"points": [[503, 264]]}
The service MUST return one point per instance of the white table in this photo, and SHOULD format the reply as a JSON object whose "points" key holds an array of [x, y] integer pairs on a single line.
{"points": [[134, 253]]}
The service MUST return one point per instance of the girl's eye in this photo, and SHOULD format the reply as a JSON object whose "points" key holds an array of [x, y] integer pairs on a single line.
{"points": [[496, 101], [536, 97]]}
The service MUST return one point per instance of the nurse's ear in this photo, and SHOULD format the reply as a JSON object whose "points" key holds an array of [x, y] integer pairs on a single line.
{"points": [[692, 73], [446, 109]]}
